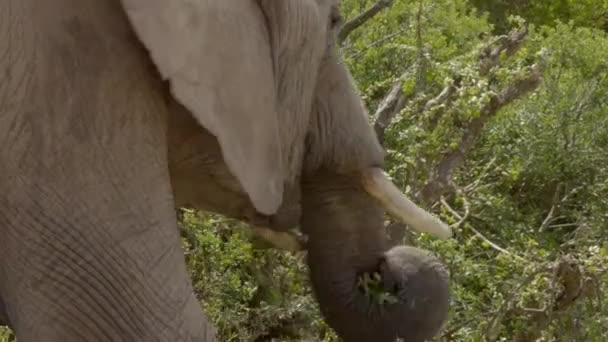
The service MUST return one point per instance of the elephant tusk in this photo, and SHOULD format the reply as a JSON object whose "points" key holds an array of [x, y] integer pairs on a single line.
{"points": [[379, 186]]}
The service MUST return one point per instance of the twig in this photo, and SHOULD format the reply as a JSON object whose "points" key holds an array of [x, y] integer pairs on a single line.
{"points": [[555, 201], [362, 18], [489, 57], [443, 96], [495, 246], [467, 212], [420, 47], [568, 274], [462, 218], [547, 219], [483, 174], [452, 211], [563, 225], [375, 43], [556, 205], [448, 334], [492, 328], [392, 104]]}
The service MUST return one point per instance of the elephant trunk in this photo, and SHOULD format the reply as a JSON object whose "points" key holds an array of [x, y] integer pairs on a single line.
{"points": [[346, 241]]}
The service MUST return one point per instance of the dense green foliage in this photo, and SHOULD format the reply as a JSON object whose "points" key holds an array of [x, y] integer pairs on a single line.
{"points": [[586, 13], [251, 294], [529, 203]]}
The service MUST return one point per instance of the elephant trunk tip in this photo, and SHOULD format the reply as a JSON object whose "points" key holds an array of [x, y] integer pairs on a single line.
{"points": [[412, 294], [378, 184], [406, 296]]}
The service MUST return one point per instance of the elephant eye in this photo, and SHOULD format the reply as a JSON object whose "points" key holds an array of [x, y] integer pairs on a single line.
{"points": [[335, 18]]}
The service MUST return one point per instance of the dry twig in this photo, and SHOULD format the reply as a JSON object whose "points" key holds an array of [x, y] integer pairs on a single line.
{"points": [[557, 203], [463, 218], [491, 332], [362, 18]]}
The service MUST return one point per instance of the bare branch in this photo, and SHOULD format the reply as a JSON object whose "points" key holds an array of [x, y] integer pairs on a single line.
{"points": [[495, 246], [493, 327], [462, 218], [557, 203], [489, 57], [550, 216], [567, 286], [547, 221], [375, 43], [443, 96], [473, 186], [467, 212], [392, 104], [362, 19], [450, 209]]}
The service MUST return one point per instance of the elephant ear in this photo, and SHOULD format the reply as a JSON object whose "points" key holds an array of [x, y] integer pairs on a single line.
{"points": [[217, 58]]}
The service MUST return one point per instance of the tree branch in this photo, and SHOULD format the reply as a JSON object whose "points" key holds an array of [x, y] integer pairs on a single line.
{"points": [[493, 327], [395, 100], [461, 218], [489, 57], [567, 286], [362, 18], [555, 204], [452, 160], [569, 283], [473, 186], [392, 104]]}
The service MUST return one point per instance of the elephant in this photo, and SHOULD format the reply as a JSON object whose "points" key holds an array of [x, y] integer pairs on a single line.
{"points": [[112, 113]]}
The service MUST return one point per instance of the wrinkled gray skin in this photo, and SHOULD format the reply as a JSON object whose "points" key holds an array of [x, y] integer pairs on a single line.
{"points": [[94, 157], [201, 179]]}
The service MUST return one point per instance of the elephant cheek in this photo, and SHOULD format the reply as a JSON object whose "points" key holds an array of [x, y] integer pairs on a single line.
{"points": [[346, 240]]}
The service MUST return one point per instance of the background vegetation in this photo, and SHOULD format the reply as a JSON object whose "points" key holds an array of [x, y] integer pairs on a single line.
{"points": [[495, 114]]}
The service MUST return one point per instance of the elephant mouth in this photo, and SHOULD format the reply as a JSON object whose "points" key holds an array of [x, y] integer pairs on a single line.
{"points": [[376, 289]]}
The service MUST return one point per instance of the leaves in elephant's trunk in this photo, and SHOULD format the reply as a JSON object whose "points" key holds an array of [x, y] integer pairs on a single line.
{"points": [[373, 288]]}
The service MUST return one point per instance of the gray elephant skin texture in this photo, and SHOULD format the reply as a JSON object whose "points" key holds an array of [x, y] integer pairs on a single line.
{"points": [[112, 113]]}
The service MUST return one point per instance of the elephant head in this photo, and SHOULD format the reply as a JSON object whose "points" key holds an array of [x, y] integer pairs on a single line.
{"points": [[291, 145], [346, 240]]}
